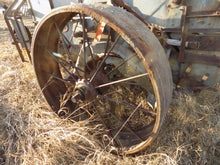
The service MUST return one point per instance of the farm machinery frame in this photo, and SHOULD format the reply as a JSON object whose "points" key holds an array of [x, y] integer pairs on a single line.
{"points": [[118, 59]]}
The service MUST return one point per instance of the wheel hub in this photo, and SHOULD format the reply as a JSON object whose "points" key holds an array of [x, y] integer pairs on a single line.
{"points": [[84, 91]]}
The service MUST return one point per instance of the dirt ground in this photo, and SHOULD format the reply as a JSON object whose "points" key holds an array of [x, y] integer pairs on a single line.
{"points": [[31, 134]]}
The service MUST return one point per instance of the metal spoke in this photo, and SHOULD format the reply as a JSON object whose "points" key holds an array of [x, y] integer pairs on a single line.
{"points": [[104, 59], [87, 39], [103, 121], [152, 114], [72, 35], [124, 124], [65, 47], [58, 78], [107, 44], [78, 115], [90, 51], [127, 127], [71, 65], [82, 19], [76, 111], [86, 111], [122, 63], [66, 40], [123, 80], [134, 83], [59, 62], [84, 44]]}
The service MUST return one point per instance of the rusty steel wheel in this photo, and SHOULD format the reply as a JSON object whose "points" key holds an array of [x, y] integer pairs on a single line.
{"points": [[106, 64]]}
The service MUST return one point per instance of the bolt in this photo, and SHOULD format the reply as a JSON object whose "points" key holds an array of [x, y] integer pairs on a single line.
{"points": [[176, 2]]}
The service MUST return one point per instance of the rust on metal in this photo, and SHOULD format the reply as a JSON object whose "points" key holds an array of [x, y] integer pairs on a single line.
{"points": [[154, 28], [202, 59], [11, 30], [145, 45], [51, 4], [200, 30], [204, 43], [190, 41], [23, 39], [215, 12], [123, 4], [184, 25], [198, 43], [13, 15]]}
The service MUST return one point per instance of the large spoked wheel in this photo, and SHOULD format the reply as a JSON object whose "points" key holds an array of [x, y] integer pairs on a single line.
{"points": [[101, 60]]}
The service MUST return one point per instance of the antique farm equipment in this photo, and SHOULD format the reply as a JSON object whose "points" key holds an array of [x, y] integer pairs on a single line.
{"points": [[119, 60]]}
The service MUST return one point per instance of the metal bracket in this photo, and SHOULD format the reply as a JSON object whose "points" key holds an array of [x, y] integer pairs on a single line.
{"points": [[16, 27], [184, 25]]}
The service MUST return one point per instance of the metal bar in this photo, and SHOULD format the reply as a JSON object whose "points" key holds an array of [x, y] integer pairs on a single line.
{"points": [[12, 33], [204, 30], [105, 57], [29, 41], [65, 47], [210, 14], [19, 28], [51, 4], [76, 111], [72, 35], [204, 43], [107, 43], [124, 124], [89, 46], [178, 30], [102, 120], [123, 80], [202, 59], [32, 12], [70, 64], [64, 81], [127, 99], [119, 120], [205, 13], [82, 20], [54, 57], [171, 30], [119, 65], [184, 31], [123, 4]]}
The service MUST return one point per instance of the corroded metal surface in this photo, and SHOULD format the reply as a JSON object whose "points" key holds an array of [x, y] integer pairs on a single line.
{"points": [[194, 23], [192, 26], [20, 34], [179, 19], [133, 31]]}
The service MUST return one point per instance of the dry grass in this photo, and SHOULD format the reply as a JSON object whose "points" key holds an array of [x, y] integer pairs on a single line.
{"points": [[31, 134]]}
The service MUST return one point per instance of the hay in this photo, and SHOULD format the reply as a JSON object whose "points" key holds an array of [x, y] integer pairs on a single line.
{"points": [[31, 134]]}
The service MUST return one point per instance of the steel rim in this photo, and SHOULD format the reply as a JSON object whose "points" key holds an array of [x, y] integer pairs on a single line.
{"points": [[117, 78]]}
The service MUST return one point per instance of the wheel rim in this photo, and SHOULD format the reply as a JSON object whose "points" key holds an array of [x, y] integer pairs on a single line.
{"points": [[124, 78]]}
